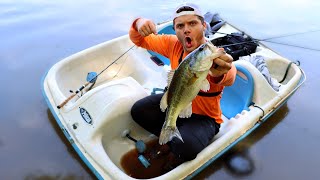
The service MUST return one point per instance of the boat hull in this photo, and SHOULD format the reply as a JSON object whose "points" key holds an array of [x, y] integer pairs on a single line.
{"points": [[94, 121]]}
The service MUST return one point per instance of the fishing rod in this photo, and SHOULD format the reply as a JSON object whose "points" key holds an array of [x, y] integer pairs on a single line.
{"points": [[292, 45], [257, 40], [92, 80], [276, 37], [268, 39]]}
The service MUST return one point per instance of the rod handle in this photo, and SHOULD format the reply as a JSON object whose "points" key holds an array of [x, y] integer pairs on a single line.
{"points": [[66, 101], [73, 95]]}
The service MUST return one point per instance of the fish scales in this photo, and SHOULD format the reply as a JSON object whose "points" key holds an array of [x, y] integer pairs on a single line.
{"points": [[184, 86]]}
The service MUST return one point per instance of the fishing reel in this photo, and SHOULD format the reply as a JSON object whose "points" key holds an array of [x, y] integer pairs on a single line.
{"points": [[91, 78]]}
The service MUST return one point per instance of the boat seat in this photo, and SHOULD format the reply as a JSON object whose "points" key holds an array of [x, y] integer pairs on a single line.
{"points": [[238, 97], [166, 30]]}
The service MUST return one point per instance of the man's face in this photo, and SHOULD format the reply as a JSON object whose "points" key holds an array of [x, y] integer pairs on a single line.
{"points": [[189, 31]]}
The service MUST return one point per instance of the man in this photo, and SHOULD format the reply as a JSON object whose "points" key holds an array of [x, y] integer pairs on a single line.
{"points": [[200, 128]]}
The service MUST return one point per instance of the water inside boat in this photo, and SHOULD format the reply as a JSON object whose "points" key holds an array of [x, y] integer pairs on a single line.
{"points": [[134, 168]]}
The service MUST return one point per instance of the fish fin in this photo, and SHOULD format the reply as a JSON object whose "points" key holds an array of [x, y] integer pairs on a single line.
{"points": [[164, 102], [186, 112], [170, 76], [212, 46], [193, 79], [205, 86], [168, 133]]}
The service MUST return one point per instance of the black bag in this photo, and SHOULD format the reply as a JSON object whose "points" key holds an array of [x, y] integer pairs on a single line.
{"points": [[239, 44]]}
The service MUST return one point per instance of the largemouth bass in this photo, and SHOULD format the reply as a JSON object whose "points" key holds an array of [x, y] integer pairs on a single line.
{"points": [[184, 84]]}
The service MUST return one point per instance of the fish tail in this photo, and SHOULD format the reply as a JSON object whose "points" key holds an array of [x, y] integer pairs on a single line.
{"points": [[168, 133]]}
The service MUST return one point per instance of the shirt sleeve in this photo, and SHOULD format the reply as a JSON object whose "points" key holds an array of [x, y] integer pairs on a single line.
{"points": [[228, 78], [161, 44]]}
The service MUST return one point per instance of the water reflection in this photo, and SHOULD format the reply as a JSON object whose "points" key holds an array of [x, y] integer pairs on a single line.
{"points": [[238, 161], [52, 177], [69, 148]]}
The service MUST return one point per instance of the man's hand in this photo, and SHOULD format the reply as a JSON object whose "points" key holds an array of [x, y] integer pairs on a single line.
{"points": [[145, 27], [221, 65]]}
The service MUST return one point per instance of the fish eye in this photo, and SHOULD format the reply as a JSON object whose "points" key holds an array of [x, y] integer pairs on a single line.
{"points": [[201, 48]]}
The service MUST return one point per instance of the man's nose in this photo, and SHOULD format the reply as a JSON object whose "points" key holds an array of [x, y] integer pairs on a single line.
{"points": [[186, 29]]}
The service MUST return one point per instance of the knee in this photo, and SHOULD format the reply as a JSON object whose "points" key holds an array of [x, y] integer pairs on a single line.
{"points": [[136, 111]]}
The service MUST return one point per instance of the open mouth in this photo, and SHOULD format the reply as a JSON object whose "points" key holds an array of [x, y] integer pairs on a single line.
{"points": [[188, 42]]}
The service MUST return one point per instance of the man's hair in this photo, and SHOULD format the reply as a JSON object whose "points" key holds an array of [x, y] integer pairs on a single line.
{"points": [[199, 17]]}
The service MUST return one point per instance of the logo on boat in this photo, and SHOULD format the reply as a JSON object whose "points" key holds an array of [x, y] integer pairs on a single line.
{"points": [[85, 115]]}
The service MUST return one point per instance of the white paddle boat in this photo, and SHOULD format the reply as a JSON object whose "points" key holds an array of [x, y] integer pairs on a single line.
{"points": [[107, 79]]}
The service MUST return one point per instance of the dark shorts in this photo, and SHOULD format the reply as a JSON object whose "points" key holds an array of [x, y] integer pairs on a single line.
{"points": [[196, 131]]}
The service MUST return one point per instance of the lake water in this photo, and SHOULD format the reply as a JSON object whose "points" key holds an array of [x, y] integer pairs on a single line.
{"points": [[36, 34]]}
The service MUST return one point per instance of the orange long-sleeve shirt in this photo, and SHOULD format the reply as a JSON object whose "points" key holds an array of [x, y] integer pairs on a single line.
{"points": [[170, 47]]}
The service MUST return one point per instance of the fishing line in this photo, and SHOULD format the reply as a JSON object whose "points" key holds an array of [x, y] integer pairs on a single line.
{"points": [[257, 40], [267, 39], [275, 37], [302, 47], [125, 60], [253, 40], [114, 61], [92, 80]]}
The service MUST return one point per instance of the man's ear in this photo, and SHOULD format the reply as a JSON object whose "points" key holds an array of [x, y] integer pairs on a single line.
{"points": [[204, 25]]}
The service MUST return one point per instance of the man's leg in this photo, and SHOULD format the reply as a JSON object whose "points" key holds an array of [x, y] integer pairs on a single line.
{"points": [[197, 132], [147, 113]]}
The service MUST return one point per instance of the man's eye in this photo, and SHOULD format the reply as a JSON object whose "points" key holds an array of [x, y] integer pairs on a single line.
{"points": [[179, 26]]}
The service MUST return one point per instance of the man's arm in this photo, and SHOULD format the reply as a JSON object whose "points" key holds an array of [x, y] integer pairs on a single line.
{"points": [[143, 33], [141, 28]]}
